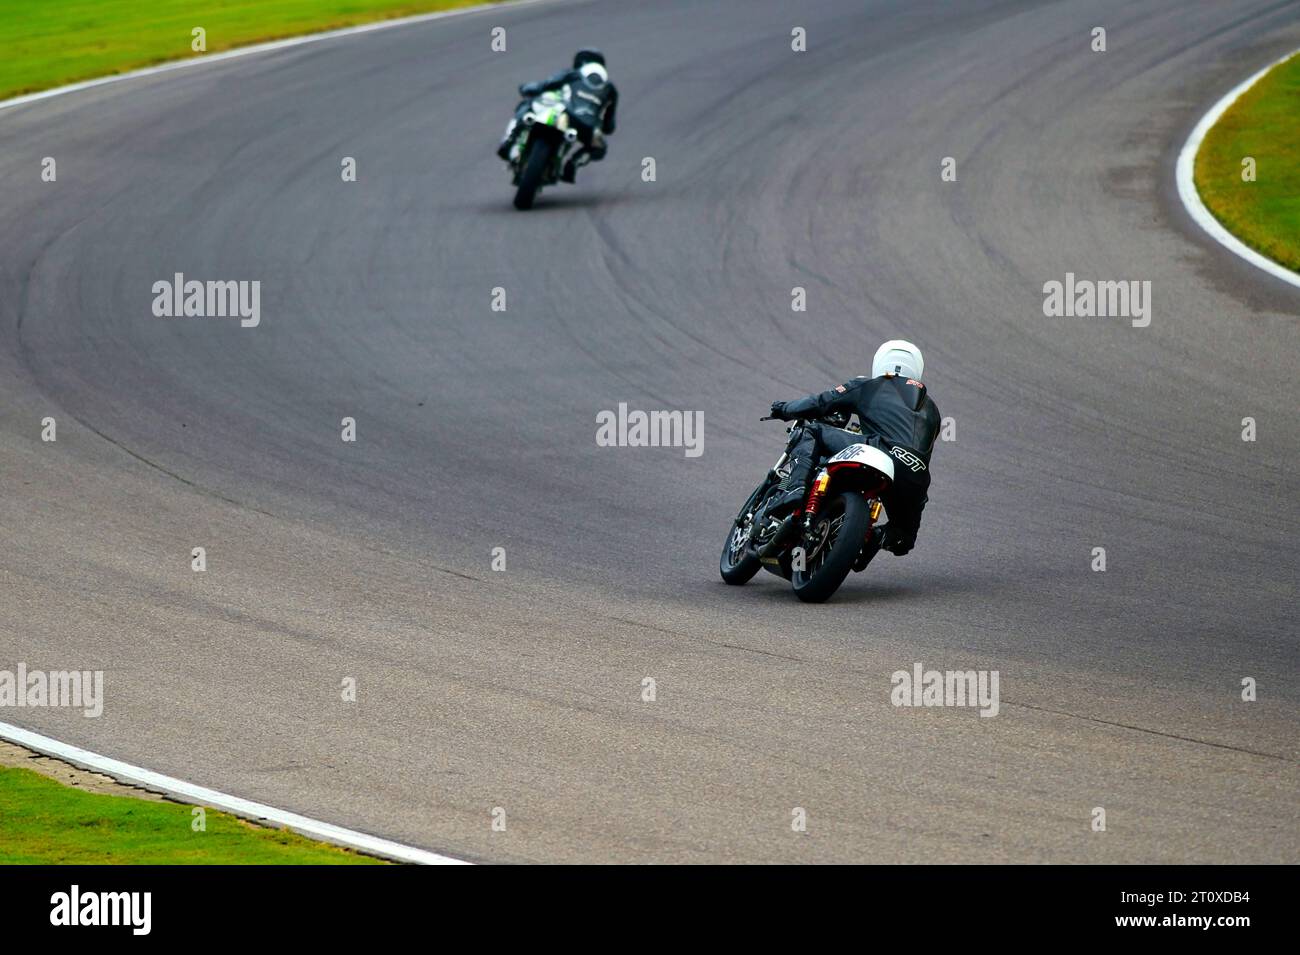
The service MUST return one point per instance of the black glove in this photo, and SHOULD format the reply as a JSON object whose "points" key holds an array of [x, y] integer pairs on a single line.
{"points": [[898, 542], [778, 410], [837, 419], [528, 90]]}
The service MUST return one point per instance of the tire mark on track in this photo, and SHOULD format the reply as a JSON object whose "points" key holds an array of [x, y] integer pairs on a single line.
{"points": [[1143, 729]]}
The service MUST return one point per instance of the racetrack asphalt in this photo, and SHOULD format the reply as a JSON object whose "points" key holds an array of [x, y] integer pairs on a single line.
{"points": [[522, 689]]}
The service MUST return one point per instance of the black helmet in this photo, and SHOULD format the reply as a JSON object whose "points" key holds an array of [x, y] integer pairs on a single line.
{"points": [[587, 56]]}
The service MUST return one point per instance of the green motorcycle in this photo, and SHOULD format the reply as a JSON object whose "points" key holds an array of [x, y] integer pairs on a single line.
{"points": [[541, 146]]}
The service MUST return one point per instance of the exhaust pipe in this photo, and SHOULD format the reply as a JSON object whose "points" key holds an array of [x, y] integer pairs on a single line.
{"points": [[771, 548]]}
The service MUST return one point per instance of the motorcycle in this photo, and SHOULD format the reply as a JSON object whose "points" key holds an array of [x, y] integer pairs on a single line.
{"points": [[541, 146], [830, 533]]}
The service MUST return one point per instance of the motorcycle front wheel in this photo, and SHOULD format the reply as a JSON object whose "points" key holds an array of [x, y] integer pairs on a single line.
{"points": [[535, 165], [739, 562]]}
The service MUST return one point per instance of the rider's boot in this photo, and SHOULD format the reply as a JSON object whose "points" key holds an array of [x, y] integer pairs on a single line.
{"points": [[578, 159], [504, 149], [791, 491], [871, 548]]}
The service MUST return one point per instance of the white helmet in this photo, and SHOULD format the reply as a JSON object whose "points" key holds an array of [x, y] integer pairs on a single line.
{"points": [[897, 357], [595, 74]]}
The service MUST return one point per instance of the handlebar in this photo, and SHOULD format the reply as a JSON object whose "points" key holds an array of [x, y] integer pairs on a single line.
{"points": [[799, 422]]}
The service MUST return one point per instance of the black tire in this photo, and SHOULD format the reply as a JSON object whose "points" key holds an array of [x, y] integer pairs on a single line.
{"points": [[738, 565], [535, 164], [828, 565]]}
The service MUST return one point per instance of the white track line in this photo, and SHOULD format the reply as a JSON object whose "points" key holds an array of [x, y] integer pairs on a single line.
{"points": [[1192, 199], [188, 792], [262, 48]]}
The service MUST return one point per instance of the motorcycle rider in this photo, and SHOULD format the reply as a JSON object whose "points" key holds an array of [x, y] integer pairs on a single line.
{"points": [[593, 103], [896, 416]]}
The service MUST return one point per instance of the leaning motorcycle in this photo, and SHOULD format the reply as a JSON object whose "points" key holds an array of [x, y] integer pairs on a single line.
{"points": [[830, 533], [542, 143]]}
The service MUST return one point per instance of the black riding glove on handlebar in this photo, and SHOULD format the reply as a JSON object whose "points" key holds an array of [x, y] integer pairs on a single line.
{"points": [[778, 410]]}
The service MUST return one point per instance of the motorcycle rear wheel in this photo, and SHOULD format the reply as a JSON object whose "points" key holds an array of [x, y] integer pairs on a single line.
{"points": [[844, 519]]}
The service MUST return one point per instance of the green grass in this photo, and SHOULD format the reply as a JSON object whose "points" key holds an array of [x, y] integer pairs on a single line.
{"points": [[45, 822], [1263, 124], [45, 43]]}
